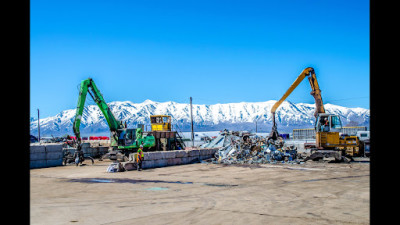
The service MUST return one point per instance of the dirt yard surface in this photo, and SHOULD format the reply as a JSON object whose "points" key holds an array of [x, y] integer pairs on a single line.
{"points": [[310, 193]]}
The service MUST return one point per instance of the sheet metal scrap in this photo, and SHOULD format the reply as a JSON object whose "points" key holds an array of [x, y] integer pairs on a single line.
{"points": [[247, 148]]}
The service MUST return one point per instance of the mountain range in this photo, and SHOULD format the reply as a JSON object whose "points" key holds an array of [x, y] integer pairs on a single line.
{"points": [[231, 116]]}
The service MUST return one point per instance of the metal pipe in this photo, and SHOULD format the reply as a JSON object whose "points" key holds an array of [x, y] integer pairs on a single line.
{"points": [[38, 125], [191, 118]]}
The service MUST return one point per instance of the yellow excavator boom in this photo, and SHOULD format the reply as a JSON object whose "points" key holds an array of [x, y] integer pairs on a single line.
{"points": [[316, 93]]}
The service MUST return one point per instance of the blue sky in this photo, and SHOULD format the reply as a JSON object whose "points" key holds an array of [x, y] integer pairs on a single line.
{"points": [[213, 51]]}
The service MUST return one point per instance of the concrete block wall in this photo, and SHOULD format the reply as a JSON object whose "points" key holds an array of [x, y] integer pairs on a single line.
{"points": [[90, 151], [95, 151], [176, 157], [45, 155]]}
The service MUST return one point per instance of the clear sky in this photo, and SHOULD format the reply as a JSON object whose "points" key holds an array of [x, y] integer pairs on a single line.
{"points": [[214, 51]]}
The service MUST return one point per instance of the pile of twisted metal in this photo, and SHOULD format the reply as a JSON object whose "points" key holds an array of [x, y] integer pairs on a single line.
{"points": [[242, 147]]}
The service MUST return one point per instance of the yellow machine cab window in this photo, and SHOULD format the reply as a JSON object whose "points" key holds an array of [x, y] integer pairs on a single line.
{"points": [[160, 123]]}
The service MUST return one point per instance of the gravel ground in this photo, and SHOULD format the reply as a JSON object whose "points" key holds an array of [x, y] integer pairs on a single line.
{"points": [[310, 193]]}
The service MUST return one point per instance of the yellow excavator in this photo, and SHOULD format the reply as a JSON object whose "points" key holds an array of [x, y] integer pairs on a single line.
{"points": [[161, 129], [327, 126]]}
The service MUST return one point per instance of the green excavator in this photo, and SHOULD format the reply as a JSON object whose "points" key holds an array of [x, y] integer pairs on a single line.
{"points": [[123, 140]]}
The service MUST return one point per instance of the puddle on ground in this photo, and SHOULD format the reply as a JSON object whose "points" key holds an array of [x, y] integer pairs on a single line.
{"points": [[132, 181], [102, 181], [332, 178], [221, 185], [245, 165], [302, 168], [367, 162], [156, 189]]}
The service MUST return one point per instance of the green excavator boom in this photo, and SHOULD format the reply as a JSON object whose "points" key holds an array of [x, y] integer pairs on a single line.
{"points": [[88, 86], [117, 128]]}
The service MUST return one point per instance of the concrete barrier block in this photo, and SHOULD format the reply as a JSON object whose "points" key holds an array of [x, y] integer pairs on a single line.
{"points": [[209, 156], [213, 151], [168, 155], [188, 160], [54, 162], [54, 155], [153, 156], [185, 160], [194, 159], [38, 164], [35, 144], [204, 152], [160, 163], [177, 161], [202, 157], [181, 153], [54, 148], [174, 161], [194, 153], [37, 148], [38, 156], [147, 164], [187, 152], [146, 156]]}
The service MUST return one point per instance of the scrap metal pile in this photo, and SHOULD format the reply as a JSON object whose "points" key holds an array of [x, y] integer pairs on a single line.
{"points": [[241, 147]]}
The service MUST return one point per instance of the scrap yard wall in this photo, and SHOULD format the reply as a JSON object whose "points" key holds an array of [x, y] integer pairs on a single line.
{"points": [[45, 155], [51, 154], [90, 149], [172, 158], [309, 133]]}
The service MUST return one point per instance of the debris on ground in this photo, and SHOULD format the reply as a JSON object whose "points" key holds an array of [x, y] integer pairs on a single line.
{"points": [[248, 148], [115, 167]]}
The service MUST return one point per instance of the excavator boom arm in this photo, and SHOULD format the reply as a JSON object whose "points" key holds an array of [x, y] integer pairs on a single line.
{"points": [[291, 88], [316, 93], [88, 85]]}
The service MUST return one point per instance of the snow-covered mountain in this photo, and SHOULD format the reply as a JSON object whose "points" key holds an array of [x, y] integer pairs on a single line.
{"points": [[232, 116]]}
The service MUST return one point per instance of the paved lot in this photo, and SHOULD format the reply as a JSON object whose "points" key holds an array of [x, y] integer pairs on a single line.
{"points": [[311, 193]]}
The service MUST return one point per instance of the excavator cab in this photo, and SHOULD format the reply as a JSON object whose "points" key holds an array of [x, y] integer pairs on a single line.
{"points": [[126, 137], [327, 130], [328, 123]]}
